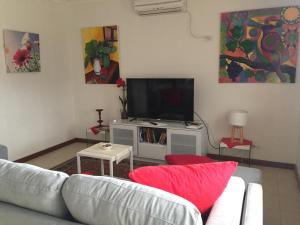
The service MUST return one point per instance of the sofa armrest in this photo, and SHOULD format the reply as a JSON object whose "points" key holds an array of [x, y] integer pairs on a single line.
{"points": [[3, 152], [253, 205], [227, 210]]}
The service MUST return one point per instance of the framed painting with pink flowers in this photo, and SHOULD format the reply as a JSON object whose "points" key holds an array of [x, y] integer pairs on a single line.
{"points": [[22, 51]]}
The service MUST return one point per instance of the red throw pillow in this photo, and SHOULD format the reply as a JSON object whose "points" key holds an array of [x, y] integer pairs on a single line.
{"points": [[184, 159], [201, 184]]}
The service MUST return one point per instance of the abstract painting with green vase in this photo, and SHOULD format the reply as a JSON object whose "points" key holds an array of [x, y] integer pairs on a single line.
{"points": [[101, 55], [259, 46]]}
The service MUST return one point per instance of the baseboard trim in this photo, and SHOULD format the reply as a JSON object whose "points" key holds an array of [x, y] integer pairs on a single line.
{"points": [[297, 175], [88, 141], [55, 147], [254, 161], [213, 156], [46, 151]]}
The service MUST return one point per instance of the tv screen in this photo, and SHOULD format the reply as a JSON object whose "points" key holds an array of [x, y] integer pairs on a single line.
{"points": [[167, 99]]}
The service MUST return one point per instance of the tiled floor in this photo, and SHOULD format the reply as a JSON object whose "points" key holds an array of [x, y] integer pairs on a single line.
{"points": [[281, 191], [55, 158], [281, 197]]}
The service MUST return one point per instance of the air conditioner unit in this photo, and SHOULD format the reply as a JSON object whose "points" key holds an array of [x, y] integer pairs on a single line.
{"points": [[147, 7]]}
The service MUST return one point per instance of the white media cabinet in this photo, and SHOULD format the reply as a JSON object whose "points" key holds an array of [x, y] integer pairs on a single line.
{"points": [[155, 141]]}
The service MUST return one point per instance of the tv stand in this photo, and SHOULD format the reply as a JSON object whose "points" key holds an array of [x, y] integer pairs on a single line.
{"points": [[155, 141]]}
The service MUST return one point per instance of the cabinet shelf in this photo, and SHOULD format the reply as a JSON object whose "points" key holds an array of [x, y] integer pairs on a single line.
{"points": [[126, 135], [154, 142], [181, 145], [152, 151], [125, 138], [153, 135]]}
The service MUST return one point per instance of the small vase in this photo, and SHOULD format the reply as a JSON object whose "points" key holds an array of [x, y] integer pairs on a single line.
{"points": [[97, 66], [124, 114]]}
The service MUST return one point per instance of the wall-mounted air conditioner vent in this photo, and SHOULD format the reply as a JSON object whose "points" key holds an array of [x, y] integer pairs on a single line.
{"points": [[146, 7]]}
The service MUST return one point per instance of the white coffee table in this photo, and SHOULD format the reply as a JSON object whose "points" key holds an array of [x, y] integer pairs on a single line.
{"points": [[116, 153]]}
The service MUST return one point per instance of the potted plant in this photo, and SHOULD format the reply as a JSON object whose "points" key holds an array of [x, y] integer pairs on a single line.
{"points": [[97, 52], [121, 83]]}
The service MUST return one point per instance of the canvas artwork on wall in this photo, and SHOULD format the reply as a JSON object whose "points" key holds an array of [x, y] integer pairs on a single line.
{"points": [[22, 51], [101, 54], [259, 46]]}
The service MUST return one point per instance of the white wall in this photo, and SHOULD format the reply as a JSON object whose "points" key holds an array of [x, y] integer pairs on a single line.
{"points": [[162, 45], [36, 109], [298, 147], [298, 164]]}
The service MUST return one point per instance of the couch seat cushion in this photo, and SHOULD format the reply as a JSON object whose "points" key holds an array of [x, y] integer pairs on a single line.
{"points": [[105, 200], [201, 184], [33, 188]]}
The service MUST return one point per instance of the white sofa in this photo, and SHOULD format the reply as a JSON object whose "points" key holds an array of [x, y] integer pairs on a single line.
{"points": [[35, 196], [3, 152], [238, 204]]}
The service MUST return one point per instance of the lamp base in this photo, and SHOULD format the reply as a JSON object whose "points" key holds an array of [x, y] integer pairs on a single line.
{"points": [[240, 133]]}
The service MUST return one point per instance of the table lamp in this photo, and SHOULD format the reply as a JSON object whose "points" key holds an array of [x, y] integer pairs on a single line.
{"points": [[238, 119]]}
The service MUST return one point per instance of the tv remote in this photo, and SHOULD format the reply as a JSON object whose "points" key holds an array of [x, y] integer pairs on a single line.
{"points": [[153, 123]]}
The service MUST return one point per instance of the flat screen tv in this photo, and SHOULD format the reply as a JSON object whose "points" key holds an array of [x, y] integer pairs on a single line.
{"points": [[166, 99]]}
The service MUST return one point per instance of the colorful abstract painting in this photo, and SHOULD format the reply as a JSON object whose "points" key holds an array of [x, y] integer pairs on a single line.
{"points": [[22, 51], [259, 46], [101, 54]]}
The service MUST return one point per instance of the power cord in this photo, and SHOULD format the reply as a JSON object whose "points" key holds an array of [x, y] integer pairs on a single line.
{"points": [[207, 131], [203, 37]]}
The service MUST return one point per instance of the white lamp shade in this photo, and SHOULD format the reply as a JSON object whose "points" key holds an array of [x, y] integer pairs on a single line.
{"points": [[238, 118]]}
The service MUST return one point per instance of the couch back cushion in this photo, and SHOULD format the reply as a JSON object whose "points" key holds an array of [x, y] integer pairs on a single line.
{"points": [[33, 188], [104, 200], [201, 184]]}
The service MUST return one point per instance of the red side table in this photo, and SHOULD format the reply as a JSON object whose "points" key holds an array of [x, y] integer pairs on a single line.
{"points": [[245, 146]]}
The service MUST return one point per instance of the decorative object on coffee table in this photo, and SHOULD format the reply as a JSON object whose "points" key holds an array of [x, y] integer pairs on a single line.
{"points": [[121, 83], [238, 119]]}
